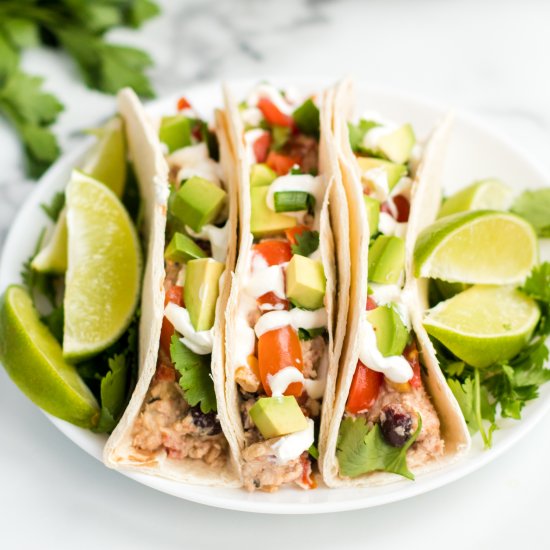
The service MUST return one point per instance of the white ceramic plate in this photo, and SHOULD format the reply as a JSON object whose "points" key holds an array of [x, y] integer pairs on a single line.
{"points": [[475, 152]]}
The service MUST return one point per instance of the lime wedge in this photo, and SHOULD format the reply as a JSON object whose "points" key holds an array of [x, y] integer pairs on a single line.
{"points": [[104, 268], [480, 247], [489, 194], [484, 324], [34, 361], [53, 257], [106, 161]]}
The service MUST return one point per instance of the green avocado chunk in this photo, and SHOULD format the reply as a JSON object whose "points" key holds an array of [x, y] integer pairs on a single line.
{"points": [[201, 291], [175, 132], [398, 145], [391, 333], [394, 172], [261, 174], [276, 416], [372, 207], [386, 259], [198, 202], [263, 220], [305, 282], [182, 249]]}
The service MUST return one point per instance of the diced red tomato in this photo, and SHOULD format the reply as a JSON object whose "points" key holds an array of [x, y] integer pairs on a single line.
{"points": [[272, 114], [278, 349], [261, 147], [274, 252], [371, 304], [403, 208], [293, 231], [273, 300], [364, 390], [281, 164], [411, 355], [183, 104], [175, 295]]}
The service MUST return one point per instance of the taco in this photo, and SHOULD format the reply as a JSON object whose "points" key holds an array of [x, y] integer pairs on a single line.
{"points": [[284, 325], [175, 425], [393, 412]]}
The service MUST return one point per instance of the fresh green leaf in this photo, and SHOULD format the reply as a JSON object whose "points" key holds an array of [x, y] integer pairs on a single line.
{"points": [[195, 381], [21, 32], [534, 206], [306, 243], [279, 136], [307, 118], [113, 393], [357, 133], [309, 334], [313, 451], [56, 205], [537, 284], [140, 11], [8, 58], [361, 450]]}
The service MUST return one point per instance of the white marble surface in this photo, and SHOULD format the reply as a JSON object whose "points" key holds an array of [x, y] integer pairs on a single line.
{"points": [[489, 57]]}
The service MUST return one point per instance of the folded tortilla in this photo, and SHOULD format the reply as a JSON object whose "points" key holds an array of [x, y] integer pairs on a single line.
{"points": [[334, 256], [152, 173], [425, 200]]}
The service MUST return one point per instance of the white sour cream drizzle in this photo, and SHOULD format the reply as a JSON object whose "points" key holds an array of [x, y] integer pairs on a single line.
{"points": [[296, 318], [268, 91], [372, 137], [250, 138], [269, 279], [291, 446], [252, 116], [298, 182], [379, 179], [280, 381], [396, 368], [198, 341], [195, 160], [387, 225], [218, 237]]}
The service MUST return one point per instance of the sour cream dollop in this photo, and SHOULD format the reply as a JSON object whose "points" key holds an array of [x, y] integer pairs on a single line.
{"points": [[291, 446], [218, 237], [199, 342], [296, 318]]}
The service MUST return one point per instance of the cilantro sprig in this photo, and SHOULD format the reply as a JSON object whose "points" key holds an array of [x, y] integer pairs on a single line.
{"points": [[306, 243], [361, 449], [503, 388], [79, 28]]}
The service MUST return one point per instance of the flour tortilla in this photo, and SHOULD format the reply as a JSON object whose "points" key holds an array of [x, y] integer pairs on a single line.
{"points": [[333, 231], [425, 200], [152, 174]]}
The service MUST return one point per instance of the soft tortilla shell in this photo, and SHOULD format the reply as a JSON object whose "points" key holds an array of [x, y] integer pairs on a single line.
{"points": [[152, 173]]}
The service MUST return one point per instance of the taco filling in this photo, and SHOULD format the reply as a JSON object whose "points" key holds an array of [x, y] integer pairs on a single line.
{"points": [[179, 414], [281, 320], [388, 409]]}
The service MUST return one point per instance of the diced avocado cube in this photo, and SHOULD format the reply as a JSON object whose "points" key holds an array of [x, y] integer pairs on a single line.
{"points": [[261, 174], [391, 334], [372, 206], [397, 146], [394, 172], [175, 132], [182, 249], [305, 282], [276, 416], [201, 291], [198, 202], [264, 221], [386, 259]]}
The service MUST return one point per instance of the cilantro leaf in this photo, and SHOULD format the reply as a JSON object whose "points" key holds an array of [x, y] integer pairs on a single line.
{"points": [[113, 393], [357, 133], [307, 118], [309, 334], [537, 284], [361, 450], [534, 206], [53, 209], [195, 381], [306, 243]]}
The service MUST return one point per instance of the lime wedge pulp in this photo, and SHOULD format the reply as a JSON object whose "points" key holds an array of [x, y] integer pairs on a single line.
{"points": [[105, 162], [479, 247], [104, 268], [34, 361], [489, 194], [484, 324]]}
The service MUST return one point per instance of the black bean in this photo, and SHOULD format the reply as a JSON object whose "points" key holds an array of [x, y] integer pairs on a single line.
{"points": [[396, 425], [207, 422]]}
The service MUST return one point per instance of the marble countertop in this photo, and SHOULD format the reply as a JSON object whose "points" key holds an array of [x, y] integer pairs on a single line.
{"points": [[489, 58]]}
